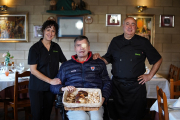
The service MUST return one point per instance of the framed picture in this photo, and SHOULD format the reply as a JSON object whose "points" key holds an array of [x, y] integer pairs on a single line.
{"points": [[37, 31], [70, 26], [145, 26], [166, 21], [113, 19], [14, 27]]}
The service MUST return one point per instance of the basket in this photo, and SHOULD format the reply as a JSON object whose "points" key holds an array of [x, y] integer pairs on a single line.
{"points": [[82, 106]]}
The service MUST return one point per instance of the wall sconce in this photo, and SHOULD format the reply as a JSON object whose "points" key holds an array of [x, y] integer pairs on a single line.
{"points": [[141, 8], [3, 8]]}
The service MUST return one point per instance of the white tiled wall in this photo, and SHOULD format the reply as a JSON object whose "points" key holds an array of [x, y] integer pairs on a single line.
{"points": [[167, 40]]}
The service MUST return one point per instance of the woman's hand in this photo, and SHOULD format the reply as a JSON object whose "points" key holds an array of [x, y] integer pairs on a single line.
{"points": [[55, 81], [68, 88]]}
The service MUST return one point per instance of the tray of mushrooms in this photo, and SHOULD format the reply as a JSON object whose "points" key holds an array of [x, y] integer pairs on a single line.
{"points": [[83, 97]]}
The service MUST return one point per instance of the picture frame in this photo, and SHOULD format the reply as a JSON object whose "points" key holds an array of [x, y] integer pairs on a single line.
{"points": [[14, 27], [166, 21], [70, 26], [113, 19], [145, 25], [37, 31]]}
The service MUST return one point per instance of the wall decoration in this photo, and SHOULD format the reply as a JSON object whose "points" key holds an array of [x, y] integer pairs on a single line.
{"points": [[37, 31], [113, 19], [88, 19], [166, 21], [14, 27], [70, 26], [145, 26]]}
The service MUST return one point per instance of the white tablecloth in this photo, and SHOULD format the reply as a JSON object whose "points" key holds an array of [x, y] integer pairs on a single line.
{"points": [[161, 82], [7, 81], [173, 114]]}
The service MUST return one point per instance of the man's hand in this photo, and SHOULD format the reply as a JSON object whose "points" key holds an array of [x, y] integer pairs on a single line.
{"points": [[144, 78], [96, 56], [68, 88], [55, 81]]}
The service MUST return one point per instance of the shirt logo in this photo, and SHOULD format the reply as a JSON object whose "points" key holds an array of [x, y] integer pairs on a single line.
{"points": [[92, 68], [137, 54], [73, 71], [55, 51]]}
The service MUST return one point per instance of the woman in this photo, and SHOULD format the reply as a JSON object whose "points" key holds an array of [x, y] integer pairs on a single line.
{"points": [[44, 57]]}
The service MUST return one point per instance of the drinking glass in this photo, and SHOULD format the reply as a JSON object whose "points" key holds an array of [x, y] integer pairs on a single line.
{"points": [[21, 66], [13, 68]]}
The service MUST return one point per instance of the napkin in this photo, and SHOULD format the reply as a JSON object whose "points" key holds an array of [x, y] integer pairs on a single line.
{"points": [[177, 103]]}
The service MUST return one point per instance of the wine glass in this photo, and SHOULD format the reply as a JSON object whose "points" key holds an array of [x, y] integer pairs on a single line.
{"points": [[13, 68], [21, 66]]}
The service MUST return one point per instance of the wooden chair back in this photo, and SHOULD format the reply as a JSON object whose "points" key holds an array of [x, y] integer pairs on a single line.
{"points": [[162, 106], [19, 103], [171, 72], [175, 75], [174, 88]]}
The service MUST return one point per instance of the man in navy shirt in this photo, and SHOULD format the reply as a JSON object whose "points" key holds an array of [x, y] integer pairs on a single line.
{"points": [[83, 72]]}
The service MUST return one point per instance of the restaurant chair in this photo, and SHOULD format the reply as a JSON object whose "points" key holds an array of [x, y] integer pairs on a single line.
{"points": [[174, 88], [175, 75], [17, 103], [171, 72], [162, 105]]}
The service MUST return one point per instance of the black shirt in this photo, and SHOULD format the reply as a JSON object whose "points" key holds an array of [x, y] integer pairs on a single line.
{"points": [[128, 56], [47, 63]]}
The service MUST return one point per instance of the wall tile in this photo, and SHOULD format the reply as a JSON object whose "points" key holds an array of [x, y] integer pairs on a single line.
{"points": [[108, 2], [15, 2], [158, 47], [92, 37], [32, 38], [37, 2], [176, 39], [68, 54], [127, 2], [175, 30], [98, 9], [102, 18], [26, 54], [105, 37], [148, 3], [45, 17], [35, 19], [115, 30], [117, 9], [18, 54], [171, 10], [163, 2], [23, 46], [162, 38], [97, 28], [176, 57], [176, 3], [25, 8], [98, 46], [38, 10], [154, 10], [64, 46], [171, 48], [158, 29], [167, 57], [7, 46]]}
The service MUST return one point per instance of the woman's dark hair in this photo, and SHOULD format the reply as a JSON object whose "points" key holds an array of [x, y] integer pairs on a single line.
{"points": [[48, 24], [79, 38]]}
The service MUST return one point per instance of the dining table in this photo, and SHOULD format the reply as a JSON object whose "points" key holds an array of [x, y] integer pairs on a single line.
{"points": [[7, 85], [160, 81], [174, 113]]}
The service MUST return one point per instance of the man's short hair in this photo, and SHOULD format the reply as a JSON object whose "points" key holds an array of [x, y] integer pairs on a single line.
{"points": [[81, 37]]}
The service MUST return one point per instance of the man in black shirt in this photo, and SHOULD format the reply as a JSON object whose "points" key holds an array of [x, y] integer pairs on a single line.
{"points": [[127, 54]]}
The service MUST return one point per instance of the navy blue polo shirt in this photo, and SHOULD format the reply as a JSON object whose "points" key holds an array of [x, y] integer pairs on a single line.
{"points": [[47, 63], [128, 56]]}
